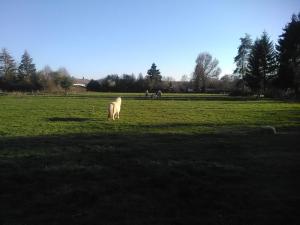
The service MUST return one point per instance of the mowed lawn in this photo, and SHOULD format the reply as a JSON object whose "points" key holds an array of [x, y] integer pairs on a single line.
{"points": [[181, 159], [179, 114]]}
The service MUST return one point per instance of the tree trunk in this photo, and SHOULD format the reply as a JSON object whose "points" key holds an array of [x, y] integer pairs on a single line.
{"points": [[203, 88]]}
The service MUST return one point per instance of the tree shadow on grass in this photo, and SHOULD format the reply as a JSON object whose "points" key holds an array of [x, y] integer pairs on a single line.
{"points": [[68, 119], [102, 178]]}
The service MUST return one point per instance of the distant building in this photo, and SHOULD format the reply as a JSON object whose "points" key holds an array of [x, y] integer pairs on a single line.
{"points": [[79, 85], [81, 82]]}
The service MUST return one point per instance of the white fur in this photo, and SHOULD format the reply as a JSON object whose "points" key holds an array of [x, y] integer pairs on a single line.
{"points": [[114, 109], [268, 130]]}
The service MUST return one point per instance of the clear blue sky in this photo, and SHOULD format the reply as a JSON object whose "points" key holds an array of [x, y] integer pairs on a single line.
{"points": [[96, 38]]}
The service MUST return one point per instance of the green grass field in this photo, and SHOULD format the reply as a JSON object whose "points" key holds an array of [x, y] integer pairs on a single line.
{"points": [[182, 159]]}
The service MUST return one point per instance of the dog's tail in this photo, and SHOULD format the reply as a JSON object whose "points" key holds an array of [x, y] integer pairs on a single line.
{"points": [[110, 111]]}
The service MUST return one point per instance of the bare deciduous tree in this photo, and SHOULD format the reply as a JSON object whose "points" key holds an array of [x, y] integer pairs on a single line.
{"points": [[206, 67]]}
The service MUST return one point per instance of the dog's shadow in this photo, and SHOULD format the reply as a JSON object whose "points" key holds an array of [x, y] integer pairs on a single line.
{"points": [[68, 119]]}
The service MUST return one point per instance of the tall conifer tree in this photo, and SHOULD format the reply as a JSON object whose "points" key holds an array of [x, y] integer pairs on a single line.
{"points": [[7, 65], [242, 57], [26, 68], [289, 55], [261, 64]]}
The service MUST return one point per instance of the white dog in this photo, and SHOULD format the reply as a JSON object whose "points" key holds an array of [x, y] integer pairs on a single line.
{"points": [[114, 109]]}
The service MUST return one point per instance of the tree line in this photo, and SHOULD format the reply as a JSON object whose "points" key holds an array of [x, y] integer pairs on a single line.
{"points": [[265, 68], [262, 68], [153, 81], [25, 77]]}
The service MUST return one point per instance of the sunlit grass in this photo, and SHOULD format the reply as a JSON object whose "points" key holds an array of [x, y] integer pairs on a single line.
{"points": [[87, 113]]}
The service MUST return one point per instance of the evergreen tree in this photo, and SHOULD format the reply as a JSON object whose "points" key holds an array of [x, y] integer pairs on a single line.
{"points": [[153, 77], [254, 75], [289, 55], [7, 65], [242, 57], [93, 86], [7, 70], [268, 59], [26, 68], [154, 74], [261, 64]]}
